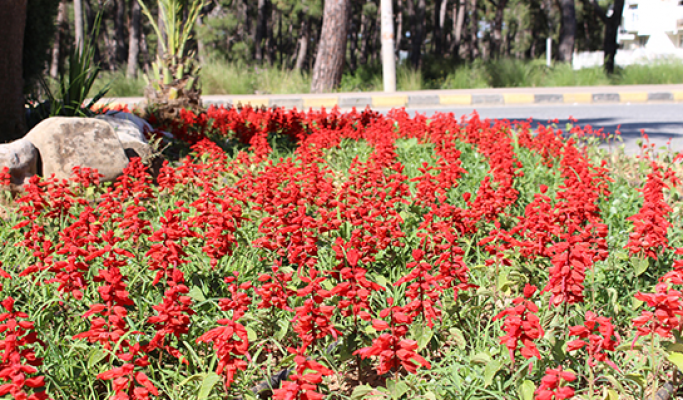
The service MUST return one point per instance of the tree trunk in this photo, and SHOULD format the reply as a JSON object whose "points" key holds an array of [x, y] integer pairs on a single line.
{"points": [[567, 31], [459, 11], [303, 43], [436, 31], [497, 29], [353, 44], [375, 41], [12, 117], [417, 32], [611, 29], [474, 31], [120, 30], [365, 37], [134, 39], [90, 17], [443, 10], [261, 28], [59, 32], [144, 52], [270, 39], [329, 62], [78, 24], [399, 25]]}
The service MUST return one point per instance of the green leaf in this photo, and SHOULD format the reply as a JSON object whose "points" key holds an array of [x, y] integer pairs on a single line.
{"points": [[361, 391], [526, 390], [616, 383], [673, 347], [397, 389], [96, 355], [422, 335], [627, 347], [676, 359], [640, 264], [210, 380], [480, 359], [637, 378], [196, 294], [284, 328], [251, 335], [490, 372], [610, 394], [194, 377], [458, 338]]}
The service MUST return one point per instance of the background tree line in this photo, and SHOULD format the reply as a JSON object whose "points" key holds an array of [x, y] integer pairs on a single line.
{"points": [[287, 33]]}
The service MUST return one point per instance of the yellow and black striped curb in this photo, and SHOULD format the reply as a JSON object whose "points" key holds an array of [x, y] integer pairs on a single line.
{"points": [[433, 100], [422, 100]]}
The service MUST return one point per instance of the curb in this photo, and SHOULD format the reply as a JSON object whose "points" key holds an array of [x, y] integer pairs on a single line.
{"points": [[429, 99]]}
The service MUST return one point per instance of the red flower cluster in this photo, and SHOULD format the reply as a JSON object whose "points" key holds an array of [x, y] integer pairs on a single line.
{"points": [[522, 326], [18, 355], [598, 336]]}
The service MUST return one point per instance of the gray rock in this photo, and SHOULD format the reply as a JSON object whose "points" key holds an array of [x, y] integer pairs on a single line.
{"points": [[130, 130], [64, 143], [21, 157], [127, 126]]}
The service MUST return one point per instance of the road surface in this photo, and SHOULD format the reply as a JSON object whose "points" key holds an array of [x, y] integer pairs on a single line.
{"points": [[660, 121]]}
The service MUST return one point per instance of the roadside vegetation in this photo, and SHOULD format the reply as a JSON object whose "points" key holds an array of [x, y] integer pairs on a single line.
{"points": [[220, 77]]}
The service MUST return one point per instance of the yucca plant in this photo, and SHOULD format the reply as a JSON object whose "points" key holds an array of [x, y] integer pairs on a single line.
{"points": [[173, 82], [74, 85]]}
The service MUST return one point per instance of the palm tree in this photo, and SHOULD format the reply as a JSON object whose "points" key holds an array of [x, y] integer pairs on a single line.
{"points": [[173, 83]]}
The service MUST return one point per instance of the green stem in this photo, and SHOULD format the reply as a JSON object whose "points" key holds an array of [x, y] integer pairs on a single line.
{"points": [[654, 367], [591, 382]]}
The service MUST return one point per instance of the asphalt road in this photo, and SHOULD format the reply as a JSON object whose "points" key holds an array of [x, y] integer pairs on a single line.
{"points": [[660, 121]]}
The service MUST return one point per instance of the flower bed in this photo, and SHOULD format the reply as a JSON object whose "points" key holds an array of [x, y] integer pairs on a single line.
{"points": [[337, 255]]}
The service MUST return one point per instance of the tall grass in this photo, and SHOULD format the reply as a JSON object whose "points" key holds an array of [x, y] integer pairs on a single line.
{"points": [[218, 77], [662, 72], [120, 84]]}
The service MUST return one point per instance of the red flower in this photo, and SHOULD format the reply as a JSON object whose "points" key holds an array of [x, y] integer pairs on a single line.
{"points": [[552, 388]]}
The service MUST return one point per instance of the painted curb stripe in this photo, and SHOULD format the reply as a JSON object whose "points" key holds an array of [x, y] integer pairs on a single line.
{"points": [[633, 97], [548, 98], [217, 103], [327, 102], [255, 102], [487, 99], [578, 98], [518, 98], [678, 96], [389, 101], [660, 96], [423, 100], [289, 103], [457, 99], [605, 97], [358, 102]]}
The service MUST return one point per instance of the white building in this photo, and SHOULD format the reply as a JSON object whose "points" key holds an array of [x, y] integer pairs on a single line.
{"points": [[650, 30], [653, 25]]}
